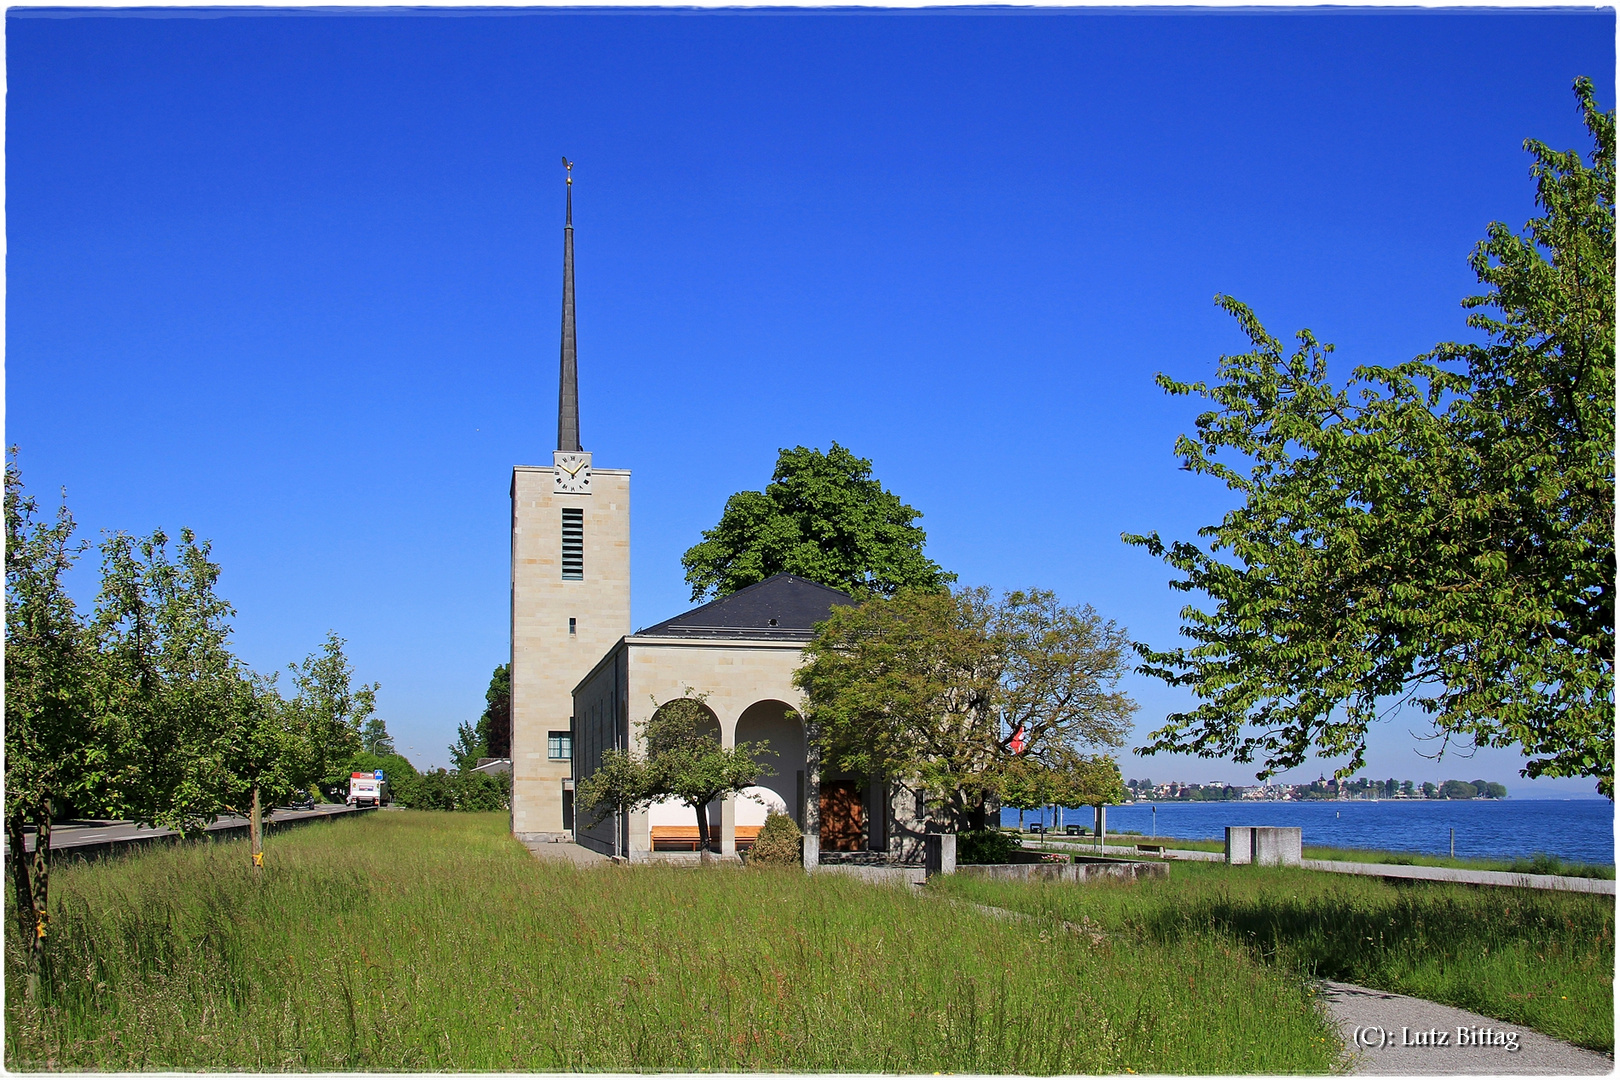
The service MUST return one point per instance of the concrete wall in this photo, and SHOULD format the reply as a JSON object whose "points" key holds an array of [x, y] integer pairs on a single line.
{"points": [[601, 722], [1090, 870], [902, 876], [1275, 846], [548, 661], [1262, 845]]}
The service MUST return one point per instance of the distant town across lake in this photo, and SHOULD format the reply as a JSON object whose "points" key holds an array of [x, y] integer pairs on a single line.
{"points": [[1580, 830], [1321, 788]]}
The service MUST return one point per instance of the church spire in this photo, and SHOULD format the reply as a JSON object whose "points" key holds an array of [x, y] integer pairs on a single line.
{"points": [[568, 383]]}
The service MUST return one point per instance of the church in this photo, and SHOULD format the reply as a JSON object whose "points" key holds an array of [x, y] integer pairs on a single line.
{"points": [[583, 683]]}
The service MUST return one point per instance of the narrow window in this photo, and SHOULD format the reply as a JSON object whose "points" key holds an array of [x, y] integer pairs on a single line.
{"points": [[571, 625], [560, 745], [573, 548]]}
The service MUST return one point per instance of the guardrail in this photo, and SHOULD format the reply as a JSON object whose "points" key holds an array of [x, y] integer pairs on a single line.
{"points": [[95, 842]]}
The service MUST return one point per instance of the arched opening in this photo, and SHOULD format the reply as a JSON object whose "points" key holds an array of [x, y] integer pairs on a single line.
{"points": [[776, 723], [672, 822]]}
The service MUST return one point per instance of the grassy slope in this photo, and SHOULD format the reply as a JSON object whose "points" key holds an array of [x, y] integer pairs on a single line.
{"points": [[417, 941], [1541, 959]]}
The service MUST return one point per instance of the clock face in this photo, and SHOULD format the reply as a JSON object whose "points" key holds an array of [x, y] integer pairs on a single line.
{"points": [[572, 472]]}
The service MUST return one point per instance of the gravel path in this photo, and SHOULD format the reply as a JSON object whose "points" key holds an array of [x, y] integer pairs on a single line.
{"points": [[1396, 1035]]}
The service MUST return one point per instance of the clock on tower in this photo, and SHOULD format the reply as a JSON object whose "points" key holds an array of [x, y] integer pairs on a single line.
{"points": [[572, 474]]}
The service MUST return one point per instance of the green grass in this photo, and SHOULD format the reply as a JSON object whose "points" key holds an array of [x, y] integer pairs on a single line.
{"points": [[1532, 957], [417, 941]]}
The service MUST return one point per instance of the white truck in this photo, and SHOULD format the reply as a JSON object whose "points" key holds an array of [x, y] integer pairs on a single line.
{"points": [[367, 789]]}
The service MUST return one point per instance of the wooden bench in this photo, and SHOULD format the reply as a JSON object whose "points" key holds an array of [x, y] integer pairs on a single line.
{"points": [[685, 837]]}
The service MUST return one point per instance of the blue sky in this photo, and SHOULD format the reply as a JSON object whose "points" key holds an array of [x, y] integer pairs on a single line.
{"points": [[293, 280]]}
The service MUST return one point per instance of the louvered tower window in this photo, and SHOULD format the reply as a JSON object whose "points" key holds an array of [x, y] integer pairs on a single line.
{"points": [[573, 537]]}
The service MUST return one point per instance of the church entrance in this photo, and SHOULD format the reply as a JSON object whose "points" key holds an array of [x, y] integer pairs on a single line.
{"points": [[842, 819]]}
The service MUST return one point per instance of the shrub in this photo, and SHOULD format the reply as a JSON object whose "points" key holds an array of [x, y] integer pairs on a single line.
{"points": [[778, 843], [980, 846], [442, 789]]}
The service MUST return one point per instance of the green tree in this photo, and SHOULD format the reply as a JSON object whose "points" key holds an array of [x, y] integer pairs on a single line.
{"points": [[1440, 533], [682, 759], [334, 711], [1457, 789], [932, 688], [491, 737], [374, 737], [271, 755], [53, 738], [1083, 779], [822, 517], [171, 694], [495, 725], [468, 747], [1024, 784]]}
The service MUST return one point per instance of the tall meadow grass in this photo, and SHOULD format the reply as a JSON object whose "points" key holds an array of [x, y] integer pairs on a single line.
{"points": [[1532, 957], [418, 941]]}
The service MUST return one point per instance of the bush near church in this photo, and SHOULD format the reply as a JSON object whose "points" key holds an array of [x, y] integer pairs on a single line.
{"points": [[443, 789], [985, 846], [779, 843]]}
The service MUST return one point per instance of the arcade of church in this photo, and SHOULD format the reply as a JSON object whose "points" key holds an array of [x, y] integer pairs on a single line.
{"points": [[749, 691]]}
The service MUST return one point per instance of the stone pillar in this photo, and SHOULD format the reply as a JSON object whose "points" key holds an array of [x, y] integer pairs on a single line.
{"points": [[1275, 846], [939, 853], [728, 825], [1238, 844], [728, 803], [812, 798]]}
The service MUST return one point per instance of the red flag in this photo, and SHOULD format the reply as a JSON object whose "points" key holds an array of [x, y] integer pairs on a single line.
{"points": [[1017, 743]]}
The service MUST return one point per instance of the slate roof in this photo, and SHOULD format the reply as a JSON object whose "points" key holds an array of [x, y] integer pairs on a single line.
{"points": [[780, 608]]}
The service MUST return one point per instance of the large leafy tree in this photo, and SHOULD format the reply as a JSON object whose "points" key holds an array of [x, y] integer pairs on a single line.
{"points": [[822, 517], [333, 710], [172, 696], [54, 745], [681, 757], [942, 691], [1440, 533]]}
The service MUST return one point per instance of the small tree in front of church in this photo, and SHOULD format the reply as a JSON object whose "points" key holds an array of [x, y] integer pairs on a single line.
{"points": [[937, 689], [682, 759]]}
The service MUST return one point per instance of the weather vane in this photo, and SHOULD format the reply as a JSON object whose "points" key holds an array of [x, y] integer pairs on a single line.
{"points": [[569, 165]]}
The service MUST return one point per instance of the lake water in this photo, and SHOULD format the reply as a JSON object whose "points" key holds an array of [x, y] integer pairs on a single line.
{"points": [[1581, 830]]}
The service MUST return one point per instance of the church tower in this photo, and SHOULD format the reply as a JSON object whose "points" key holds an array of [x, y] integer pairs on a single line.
{"points": [[570, 590]]}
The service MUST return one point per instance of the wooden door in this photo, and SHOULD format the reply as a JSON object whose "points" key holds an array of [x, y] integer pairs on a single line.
{"points": [[841, 824]]}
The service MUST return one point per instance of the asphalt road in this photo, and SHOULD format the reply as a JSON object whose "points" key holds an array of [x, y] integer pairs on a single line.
{"points": [[92, 833]]}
